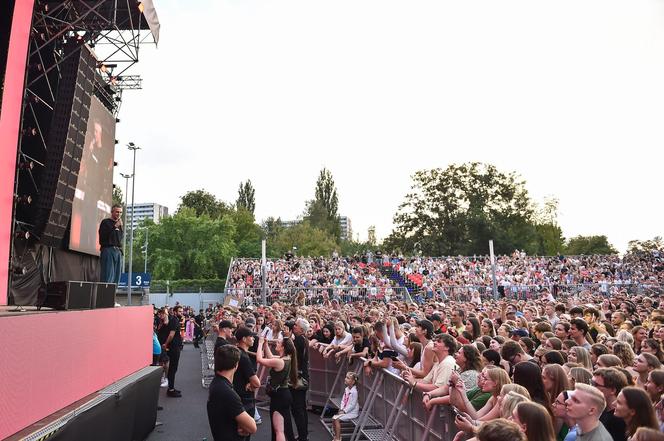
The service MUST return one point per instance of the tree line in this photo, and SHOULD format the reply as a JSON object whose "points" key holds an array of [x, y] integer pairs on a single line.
{"points": [[451, 211]]}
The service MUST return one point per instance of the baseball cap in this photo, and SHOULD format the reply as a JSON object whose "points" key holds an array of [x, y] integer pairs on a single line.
{"points": [[226, 324], [243, 332], [250, 321], [520, 332]]}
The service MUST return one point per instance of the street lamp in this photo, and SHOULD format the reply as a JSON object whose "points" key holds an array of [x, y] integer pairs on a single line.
{"points": [[131, 146], [124, 222], [145, 249]]}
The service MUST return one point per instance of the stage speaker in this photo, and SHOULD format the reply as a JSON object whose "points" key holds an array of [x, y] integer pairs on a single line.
{"points": [[69, 295], [104, 295], [65, 142]]}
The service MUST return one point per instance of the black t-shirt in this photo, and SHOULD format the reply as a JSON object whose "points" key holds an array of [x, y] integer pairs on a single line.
{"points": [[357, 348], [174, 325], [221, 341], [109, 236], [302, 352], [245, 370], [223, 406], [614, 425], [162, 333]]}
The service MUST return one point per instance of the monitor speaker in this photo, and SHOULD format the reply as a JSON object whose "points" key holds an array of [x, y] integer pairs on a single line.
{"points": [[104, 295], [69, 295]]}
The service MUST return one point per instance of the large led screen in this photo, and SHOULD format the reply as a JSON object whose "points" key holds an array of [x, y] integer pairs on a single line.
{"points": [[94, 189]]}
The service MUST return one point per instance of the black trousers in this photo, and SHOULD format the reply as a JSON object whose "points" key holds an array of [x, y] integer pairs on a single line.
{"points": [[250, 408], [299, 411], [174, 361]]}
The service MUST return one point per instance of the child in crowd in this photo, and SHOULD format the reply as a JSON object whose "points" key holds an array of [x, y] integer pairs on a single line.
{"points": [[350, 407]]}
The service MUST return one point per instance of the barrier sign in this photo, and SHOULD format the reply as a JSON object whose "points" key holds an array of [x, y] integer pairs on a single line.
{"points": [[139, 280]]}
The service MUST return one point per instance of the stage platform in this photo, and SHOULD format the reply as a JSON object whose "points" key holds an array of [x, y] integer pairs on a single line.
{"points": [[53, 359]]}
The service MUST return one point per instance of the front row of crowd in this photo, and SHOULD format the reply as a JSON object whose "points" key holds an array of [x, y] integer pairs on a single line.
{"points": [[583, 368]]}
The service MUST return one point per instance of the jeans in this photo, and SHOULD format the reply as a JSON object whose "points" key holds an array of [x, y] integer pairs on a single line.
{"points": [[111, 265]]}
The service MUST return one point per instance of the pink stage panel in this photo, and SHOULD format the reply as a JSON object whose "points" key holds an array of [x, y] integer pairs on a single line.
{"points": [[10, 121], [51, 360]]}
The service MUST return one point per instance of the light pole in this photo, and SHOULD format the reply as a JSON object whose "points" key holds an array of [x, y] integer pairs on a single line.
{"points": [[124, 222], [145, 250], [131, 146]]}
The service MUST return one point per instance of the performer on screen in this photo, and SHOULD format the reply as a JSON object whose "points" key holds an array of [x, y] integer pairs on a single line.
{"points": [[110, 239]]}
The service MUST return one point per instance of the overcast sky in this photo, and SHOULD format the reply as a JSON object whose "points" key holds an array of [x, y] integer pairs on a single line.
{"points": [[569, 94]]}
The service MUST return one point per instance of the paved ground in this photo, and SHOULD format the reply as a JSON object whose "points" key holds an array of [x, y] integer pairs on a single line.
{"points": [[185, 418]]}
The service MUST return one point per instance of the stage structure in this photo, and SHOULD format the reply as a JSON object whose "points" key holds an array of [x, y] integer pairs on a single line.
{"points": [[63, 68], [80, 52]]}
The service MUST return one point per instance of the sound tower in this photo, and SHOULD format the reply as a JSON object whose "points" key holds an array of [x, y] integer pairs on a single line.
{"points": [[65, 144], [69, 295]]}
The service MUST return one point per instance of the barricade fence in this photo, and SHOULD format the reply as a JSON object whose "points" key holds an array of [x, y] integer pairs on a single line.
{"points": [[319, 296]]}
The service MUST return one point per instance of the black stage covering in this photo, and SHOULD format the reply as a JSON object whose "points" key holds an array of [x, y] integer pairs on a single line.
{"points": [[127, 415], [32, 263]]}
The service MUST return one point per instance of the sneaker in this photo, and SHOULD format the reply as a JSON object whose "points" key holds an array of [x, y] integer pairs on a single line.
{"points": [[164, 383], [174, 393], [259, 421]]}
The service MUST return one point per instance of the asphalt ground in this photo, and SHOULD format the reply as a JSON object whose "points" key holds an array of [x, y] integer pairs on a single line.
{"points": [[185, 418]]}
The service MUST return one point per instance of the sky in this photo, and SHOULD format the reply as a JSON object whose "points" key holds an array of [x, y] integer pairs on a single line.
{"points": [[568, 94]]}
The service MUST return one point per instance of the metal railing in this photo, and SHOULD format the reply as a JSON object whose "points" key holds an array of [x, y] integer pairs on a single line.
{"points": [[389, 410], [318, 296]]}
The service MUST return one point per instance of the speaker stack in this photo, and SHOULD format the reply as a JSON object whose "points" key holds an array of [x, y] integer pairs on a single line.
{"points": [[79, 295]]}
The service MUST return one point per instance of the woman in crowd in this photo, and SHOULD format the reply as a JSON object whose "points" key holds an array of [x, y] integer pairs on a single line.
{"points": [[552, 357], [580, 355], [340, 341], [654, 347], [529, 375], [470, 364], [487, 328], [639, 333], [624, 352], [492, 380], [563, 425], [554, 380], [283, 370], [647, 434], [535, 420], [608, 360], [635, 408], [655, 385], [596, 350], [578, 375], [473, 327], [643, 365]]}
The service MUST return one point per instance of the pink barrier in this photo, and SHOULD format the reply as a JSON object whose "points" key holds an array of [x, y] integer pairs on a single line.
{"points": [[51, 360]]}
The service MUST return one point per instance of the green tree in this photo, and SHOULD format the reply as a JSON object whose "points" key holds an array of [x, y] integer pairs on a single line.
{"points": [[646, 246], [550, 240], [308, 240], [246, 197], [187, 246], [203, 202], [457, 210], [118, 198], [248, 235], [271, 228], [322, 211], [589, 245]]}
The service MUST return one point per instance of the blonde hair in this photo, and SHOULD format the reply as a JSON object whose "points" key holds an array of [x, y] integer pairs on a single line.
{"points": [[517, 388], [510, 401], [595, 394], [583, 357], [500, 377]]}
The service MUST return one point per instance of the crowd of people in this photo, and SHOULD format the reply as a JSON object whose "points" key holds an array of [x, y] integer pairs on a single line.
{"points": [[439, 277], [552, 367]]}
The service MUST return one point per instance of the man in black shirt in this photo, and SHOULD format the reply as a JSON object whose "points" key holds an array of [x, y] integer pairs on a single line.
{"points": [[198, 330], [225, 333], [299, 406], [110, 240], [245, 381], [173, 345], [226, 415]]}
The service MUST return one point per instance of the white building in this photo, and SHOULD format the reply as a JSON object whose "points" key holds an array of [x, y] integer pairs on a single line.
{"points": [[148, 210]]}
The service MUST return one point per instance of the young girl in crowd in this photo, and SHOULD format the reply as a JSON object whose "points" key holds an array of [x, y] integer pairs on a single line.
{"points": [[350, 406]]}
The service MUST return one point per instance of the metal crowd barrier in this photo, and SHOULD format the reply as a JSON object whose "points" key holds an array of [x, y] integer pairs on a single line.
{"points": [[388, 409]]}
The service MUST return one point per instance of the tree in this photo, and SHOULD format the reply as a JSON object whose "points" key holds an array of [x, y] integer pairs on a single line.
{"points": [[118, 198], [271, 228], [589, 245], [188, 246], [308, 240], [646, 246], [459, 209], [248, 235], [550, 240], [203, 202], [245, 198], [322, 211]]}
